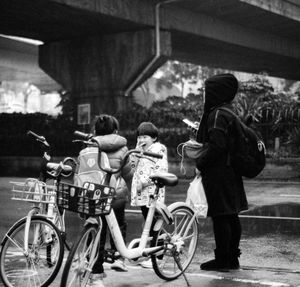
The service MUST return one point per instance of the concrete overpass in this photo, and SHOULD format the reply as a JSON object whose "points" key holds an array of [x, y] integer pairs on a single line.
{"points": [[102, 49]]}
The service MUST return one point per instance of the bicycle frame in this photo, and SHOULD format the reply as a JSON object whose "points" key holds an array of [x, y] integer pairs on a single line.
{"points": [[37, 239], [168, 242], [132, 252], [34, 211]]}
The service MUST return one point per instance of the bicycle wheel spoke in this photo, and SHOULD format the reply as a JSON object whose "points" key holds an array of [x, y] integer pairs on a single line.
{"points": [[180, 242], [182, 225], [73, 280], [80, 262], [14, 241], [31, 267]]}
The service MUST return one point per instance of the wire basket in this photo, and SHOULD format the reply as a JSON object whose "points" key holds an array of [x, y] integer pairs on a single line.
{"points": [[33, 190], [92, 199]]}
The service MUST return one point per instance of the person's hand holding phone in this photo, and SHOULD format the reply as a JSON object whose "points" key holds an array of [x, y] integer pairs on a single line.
{"points": [[192, 127]]}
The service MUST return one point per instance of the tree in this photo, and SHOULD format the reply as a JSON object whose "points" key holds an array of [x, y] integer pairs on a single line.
{"points": [[252, 98], [278, 111], [67, 104]]}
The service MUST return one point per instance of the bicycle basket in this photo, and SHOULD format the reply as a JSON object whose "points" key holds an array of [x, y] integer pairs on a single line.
{"points": [[33, 190], [92, 199]]}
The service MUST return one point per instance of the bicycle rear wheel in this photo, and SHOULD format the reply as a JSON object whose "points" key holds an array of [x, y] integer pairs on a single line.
{"points": [[19, 267], [180, 242], [79, 263]]}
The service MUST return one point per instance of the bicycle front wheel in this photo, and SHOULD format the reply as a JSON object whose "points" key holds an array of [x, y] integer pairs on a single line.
{"points": [[180, 243], [35, 266], [79, 263]]}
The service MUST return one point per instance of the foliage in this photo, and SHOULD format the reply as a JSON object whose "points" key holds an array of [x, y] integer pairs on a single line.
{"points": [[251, 98], [178, 73], [166, 115], [67, 104], [277, 113], [294, 140], [175, 72], [14, 140]]}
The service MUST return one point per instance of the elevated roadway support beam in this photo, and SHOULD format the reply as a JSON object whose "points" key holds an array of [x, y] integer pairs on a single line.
{"points": [[99, 69]]}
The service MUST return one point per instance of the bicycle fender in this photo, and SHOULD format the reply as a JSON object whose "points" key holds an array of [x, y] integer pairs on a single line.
{"points": [[174, 205], [165, 213]]}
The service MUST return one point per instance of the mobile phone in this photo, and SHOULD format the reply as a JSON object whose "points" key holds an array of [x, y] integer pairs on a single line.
{"points": [[190, 124]]}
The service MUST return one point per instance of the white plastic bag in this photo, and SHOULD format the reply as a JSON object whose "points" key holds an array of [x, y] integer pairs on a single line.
{"points": [[196, 197]]}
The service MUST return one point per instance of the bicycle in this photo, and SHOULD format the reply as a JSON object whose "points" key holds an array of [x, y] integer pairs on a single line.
{"points": [[32, 249], [172, 246]]}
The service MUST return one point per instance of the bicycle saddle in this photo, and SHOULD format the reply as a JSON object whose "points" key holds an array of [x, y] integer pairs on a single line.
{"points": [[164, 178]]}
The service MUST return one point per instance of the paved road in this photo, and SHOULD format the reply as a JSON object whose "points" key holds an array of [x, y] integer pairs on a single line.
{"points": [[271, 247], [138, 277], [245, 277]]}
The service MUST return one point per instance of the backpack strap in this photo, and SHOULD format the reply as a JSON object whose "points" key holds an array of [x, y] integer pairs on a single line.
{"points": [[229, 111], [237, 118]]}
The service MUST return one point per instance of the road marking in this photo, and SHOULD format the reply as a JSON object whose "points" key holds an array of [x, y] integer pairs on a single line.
{"points": [[212, 276], [290, 195], [251, 281]]}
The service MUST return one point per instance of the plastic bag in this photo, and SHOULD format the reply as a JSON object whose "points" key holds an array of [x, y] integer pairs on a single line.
{"points": [[196, 197]]}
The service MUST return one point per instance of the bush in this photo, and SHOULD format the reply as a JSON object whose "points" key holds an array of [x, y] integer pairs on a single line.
{"points": [[15, 142]]}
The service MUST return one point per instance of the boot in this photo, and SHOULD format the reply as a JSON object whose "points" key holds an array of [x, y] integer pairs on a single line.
{"points": [[234, 258], [220, 263]]}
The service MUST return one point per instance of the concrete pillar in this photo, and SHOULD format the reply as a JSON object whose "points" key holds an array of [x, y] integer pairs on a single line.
{"points": [[98, 69]]}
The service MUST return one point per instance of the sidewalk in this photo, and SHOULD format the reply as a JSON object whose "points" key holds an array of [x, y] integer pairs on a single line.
{"points": [[270, 241], [138, 276]]}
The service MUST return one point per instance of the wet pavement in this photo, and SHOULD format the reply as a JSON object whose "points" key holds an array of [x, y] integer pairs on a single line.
{"points": [[270, 242], [138, 276]]}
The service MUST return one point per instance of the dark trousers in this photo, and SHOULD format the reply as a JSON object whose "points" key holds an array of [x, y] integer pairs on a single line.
{"points": [[227, 231], [118, 206]]}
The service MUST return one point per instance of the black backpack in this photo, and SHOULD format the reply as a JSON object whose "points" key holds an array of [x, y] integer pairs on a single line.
{"points": [[247, 152]]}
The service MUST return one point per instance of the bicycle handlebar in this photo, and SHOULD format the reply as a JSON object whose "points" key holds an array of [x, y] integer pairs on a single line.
{"points": [[39, 138], [152, 154], [89, 138], [49, 169], [82, 135]]}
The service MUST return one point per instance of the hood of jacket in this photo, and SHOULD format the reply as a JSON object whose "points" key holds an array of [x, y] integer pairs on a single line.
{"points": [[219, 89], [111, 142]]}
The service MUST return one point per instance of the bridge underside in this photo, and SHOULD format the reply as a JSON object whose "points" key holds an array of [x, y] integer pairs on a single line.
{"points": [[97, 49]]}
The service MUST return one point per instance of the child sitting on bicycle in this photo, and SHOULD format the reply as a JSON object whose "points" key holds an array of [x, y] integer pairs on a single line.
{"points": [[142, 186], [115, 146]]}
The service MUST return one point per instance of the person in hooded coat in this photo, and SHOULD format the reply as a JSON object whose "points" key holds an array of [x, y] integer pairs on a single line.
{"points": [[223, 187]]}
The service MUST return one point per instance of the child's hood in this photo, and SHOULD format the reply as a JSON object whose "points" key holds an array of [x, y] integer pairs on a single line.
{"points": [[111, 142]]}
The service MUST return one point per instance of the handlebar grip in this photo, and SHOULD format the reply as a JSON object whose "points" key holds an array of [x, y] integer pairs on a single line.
{"points": [[31, 133], [39, 138], [82, 135], [152, 154]]}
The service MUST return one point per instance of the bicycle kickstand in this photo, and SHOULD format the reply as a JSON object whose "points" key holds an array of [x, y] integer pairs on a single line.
{"points": [[177, 260]]}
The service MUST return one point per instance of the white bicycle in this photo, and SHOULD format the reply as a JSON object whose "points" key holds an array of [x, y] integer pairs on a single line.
{"points": [[172, 247], [32, 249]]}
